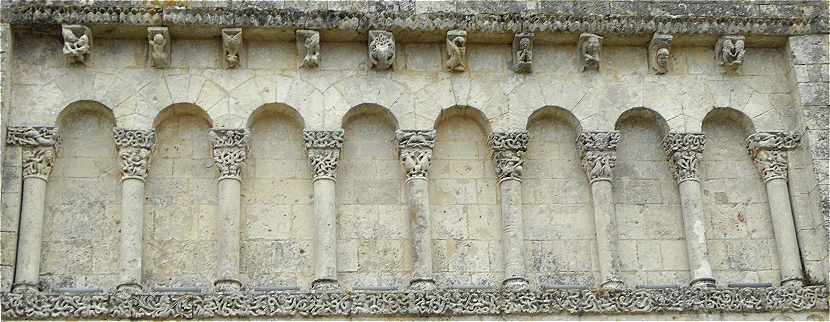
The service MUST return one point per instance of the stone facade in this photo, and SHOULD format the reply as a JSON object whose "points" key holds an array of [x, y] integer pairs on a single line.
{"points": [[543, 160]]}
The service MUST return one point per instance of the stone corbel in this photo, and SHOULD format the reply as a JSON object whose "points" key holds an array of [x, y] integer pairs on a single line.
{"points": [[730, 51], [230, 149], [769, 152], [77, 43], [588, 51], [308, 46], [598, 151], [684, 151], [381, 49], [659, 49], [231, 47], [323, 152], [159, 41], [456, 60], [523, 52], [415, 149], [134, 149]]}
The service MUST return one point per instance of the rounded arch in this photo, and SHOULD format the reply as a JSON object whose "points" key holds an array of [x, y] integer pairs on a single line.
{"points": [[85, 106], [278, 108], [557, 112], [181, 109], [731, 114], [465, 111], [368, 108], [646, 113]]}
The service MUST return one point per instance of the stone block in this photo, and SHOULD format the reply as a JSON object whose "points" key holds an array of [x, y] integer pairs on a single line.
{"points": [[291, 256], [256, 256], [10, 211], [268, 221], [813, 93], [8, 244], [449, 222], [673, 254], [70, 257], [649, 256], [347, 255], [808, 49]]}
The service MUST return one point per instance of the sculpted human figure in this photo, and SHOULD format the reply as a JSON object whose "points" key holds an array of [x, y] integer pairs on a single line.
{"points": [[525, 55], [456, 50], [312, 50], [158, 50], [76, 46], [730, 51], [590, 53]]}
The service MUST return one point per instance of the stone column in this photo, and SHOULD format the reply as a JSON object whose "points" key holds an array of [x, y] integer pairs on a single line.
{"points": [[769, 153], [323, 149], [508, 151], [684, 152], [134, 148], [39, 146], [599, 157], [230, 149], [415, 149]]}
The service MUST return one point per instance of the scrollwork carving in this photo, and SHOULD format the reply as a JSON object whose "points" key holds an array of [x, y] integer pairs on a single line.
{"points": [[588, 51], [509, 150], [77, 41], [134, 149], [415, 147], [323, 152], [381, 49], [32, 135], [308, 45], [598, 151], [231, 44], [456, 50], [730, 51], [769, 152], [684, 152], [230, 150]]}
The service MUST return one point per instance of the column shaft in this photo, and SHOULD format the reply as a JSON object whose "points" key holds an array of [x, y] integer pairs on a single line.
{"points": [[606, 233], [693, 222], [783, 226], [418, 202], [228, 228], [325, 235], [27, 269], [132, 229], [513, 238]]}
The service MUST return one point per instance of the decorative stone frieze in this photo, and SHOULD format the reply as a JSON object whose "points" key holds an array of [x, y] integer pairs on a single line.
{"points": [[509, 149], [659, 49], [415, 149], [729, 51], [588, 50], [323, 152], [456, 60], [166, 306], [230, 149], [134, 149], [769, 152], [231, 45], [523, 52], [598, 151], [77, 43], [32, 135], [381, 49], [684, 152], [308, 46], [159, 42]]}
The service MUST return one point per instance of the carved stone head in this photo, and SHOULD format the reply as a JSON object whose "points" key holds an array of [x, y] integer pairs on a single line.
{"points": [[381, 49]]}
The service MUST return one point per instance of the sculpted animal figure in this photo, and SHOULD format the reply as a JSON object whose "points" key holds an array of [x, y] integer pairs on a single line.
{"points": [[382, 51], [456, 51], [232, 44]]}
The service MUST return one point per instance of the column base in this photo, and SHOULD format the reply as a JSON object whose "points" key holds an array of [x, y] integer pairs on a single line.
{"points": [[129, 288], [422, 284], [25, 288], [612, 283], [515, 284], [227, 285], [703, 282], [325, 285], [792, 282]]}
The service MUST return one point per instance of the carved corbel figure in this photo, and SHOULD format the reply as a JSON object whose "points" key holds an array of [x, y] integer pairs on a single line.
{"points": [[658, 53], [159, 41], [231, 45], [308, 45], [456, 50], [729, 51], [523, 52], [381, 49], [77, 42], [588, 51]]}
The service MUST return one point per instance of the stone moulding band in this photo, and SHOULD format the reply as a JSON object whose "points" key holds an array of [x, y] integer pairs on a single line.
{"points": [[435, 303], [704, 17]]}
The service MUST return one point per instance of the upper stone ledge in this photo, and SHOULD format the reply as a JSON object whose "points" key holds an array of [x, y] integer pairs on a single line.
{"points": [[690, 17]]}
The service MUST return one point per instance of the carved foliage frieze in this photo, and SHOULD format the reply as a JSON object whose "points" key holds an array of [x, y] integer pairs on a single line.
{"points": [[523, 52], [158, 39], [456, 60], [509, 150], [408, 303], [381, 49], [659, 49], [231, 46], [77, 43], [769, 152], [684, 152], [308, 46], [230, 150], [415, 148], [598, 151], [134, 149], [729, 51], [323, 149], [588, 50]]}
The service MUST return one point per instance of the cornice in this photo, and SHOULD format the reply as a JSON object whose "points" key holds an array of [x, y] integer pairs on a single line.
{"points": [[409, 303], [670, 17]]}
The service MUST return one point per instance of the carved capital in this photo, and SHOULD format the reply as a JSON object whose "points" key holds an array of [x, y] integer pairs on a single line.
{"points": [[308, 45], [523, 52], [381, 49], [769, 152], [509, 151], [323, 152], [729, 51], [659, 49], [415, 148], [231, 44], [684, 152], [588, 51], [230, 150], [38, 161], [456, 60], [134, 149], [77, 43], [598, 151], [159, 41]]}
